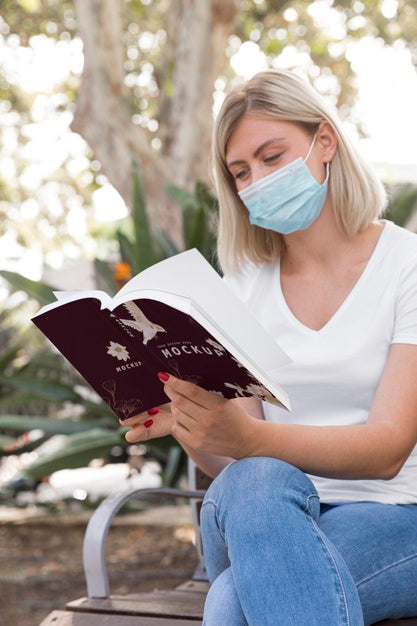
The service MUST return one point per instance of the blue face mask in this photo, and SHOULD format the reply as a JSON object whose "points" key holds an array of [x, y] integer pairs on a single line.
{"points": [[287, 200]]}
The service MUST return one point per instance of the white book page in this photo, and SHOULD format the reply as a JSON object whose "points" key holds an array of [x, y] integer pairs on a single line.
{"points": [[238, 350], [189, 283], [63, 297], [190, 276]]}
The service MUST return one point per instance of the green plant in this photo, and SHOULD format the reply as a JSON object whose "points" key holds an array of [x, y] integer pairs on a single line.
{"points": [[32, 394], [402, 204], [147, 244]]}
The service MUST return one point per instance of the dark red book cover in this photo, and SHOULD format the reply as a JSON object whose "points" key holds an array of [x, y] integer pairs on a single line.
{"points": [[120, 352]]}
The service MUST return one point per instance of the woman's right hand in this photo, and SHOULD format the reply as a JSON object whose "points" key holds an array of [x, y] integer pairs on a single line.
{"points": [[144, 426]]}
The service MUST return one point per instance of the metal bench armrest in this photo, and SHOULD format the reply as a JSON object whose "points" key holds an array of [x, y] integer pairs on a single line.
{"points": [[94, 561]]}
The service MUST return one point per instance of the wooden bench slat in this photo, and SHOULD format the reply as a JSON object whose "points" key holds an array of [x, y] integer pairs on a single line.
{"points": [[79, 618], [68, 618], [184, 602], [175, 604]]}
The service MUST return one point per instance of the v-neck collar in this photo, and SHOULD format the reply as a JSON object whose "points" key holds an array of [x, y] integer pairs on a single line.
{"points": [[367, 269]]}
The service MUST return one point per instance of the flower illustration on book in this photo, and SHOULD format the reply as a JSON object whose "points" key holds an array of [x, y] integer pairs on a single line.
{"points": [[255, 390], [118, 351], [122, 408]]}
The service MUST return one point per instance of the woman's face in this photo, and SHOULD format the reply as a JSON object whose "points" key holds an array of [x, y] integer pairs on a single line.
{"points": [[260, 145]]}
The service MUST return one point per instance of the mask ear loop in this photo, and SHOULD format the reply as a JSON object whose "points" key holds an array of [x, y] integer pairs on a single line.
{"points": [[327, 164], [327, 173], [311, 147]]}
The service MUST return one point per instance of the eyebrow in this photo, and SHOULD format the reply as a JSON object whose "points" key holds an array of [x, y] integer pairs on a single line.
{"points": [[257, 151]]}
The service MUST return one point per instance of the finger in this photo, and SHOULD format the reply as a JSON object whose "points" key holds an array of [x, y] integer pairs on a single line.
{"points": [[140, 418], [180, 432], [139, 433], [196, 394], [183, 435], [183, 408], [134, 419]]}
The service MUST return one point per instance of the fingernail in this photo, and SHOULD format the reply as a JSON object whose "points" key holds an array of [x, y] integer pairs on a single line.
{"points": [[152, 411], [163, 376], [148, 423]]}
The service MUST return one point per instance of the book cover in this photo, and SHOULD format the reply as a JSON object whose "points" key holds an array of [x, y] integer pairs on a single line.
{"points": [[119, 345]]}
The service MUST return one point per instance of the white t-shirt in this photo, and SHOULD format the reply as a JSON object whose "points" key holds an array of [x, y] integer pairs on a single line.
{"points": [[335, 371]]}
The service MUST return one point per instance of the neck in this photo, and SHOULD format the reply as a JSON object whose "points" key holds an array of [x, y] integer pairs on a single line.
{"points": [[323, 244]]}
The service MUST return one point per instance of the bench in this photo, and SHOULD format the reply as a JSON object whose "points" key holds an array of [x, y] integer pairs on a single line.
{"points": [[181, 606]]}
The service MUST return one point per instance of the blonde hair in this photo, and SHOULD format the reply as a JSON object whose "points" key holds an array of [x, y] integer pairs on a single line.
{"points": [[357, 195]]}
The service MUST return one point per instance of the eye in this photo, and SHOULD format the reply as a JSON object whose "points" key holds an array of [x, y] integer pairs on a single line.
{"points": [[241, 174], [272, 158]]}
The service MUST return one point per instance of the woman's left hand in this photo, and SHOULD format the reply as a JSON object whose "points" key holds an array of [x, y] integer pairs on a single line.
{"points": [[207, 422]]}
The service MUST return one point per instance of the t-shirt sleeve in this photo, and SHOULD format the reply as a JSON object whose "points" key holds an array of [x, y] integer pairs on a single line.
{"points": [[405, 323], [242, 282], [232, 281]]}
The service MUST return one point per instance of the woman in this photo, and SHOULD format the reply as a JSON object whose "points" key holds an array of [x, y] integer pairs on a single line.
{"points": [[316, 520]]}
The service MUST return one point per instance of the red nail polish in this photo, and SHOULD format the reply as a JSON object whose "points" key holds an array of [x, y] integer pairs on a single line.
{"points": [[152, 411], [148, 423], [163, 376]]}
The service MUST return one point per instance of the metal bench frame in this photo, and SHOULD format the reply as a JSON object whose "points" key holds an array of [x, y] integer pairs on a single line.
{"points": [[95, 537]]}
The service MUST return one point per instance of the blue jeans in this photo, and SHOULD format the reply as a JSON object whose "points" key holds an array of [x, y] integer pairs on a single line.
{"points": [[275, 557]]}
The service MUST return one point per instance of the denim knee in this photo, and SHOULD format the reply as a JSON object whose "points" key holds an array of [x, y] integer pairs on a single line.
{"points": [[254, 479]]}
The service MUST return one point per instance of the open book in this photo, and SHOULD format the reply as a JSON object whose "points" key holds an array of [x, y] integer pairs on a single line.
{"points": [[177, 316]]}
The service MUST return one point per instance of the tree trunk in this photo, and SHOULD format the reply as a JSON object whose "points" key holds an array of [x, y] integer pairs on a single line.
{"points": [[199, 57], [101, 115], [104, 121]]}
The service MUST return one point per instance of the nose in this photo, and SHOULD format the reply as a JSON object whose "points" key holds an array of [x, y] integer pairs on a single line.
{"points": [[256, 173]]}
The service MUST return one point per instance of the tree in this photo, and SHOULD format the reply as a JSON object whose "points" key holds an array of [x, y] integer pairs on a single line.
{"points": [[146, 91], [104, 119], [197, 36], [150, 69]]}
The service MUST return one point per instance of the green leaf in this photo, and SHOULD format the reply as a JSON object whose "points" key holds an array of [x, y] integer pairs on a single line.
{"points": [[5, 441], [174, 467], [74, 451], [128, 251], [198, 232], [402, 204], [188, 218], [181, 197], [39, 291], [50, 426], [141, 225], [7, 358], [163, 245], [205, 197], [105, 273], [19, 447], [56, 391]]}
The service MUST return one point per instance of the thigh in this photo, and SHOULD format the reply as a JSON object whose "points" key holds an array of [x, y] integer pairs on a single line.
{"points": [[379, 545]]}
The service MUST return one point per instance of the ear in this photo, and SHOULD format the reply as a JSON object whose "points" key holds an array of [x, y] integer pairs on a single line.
{"points": [[326, 141]]}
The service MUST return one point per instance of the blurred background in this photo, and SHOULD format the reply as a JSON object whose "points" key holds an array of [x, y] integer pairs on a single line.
{"points": [[106, 109]]}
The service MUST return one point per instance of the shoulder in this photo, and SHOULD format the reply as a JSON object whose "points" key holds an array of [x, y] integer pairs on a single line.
{"points": [[250, 277]]}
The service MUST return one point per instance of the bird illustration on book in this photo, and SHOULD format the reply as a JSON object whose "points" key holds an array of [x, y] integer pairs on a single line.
{"points": [[141, 323]]}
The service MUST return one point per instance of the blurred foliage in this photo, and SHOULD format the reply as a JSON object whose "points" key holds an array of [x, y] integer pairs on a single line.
{"points": [[322, 51], [46, 378], [402, 208], [38, 205]]}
